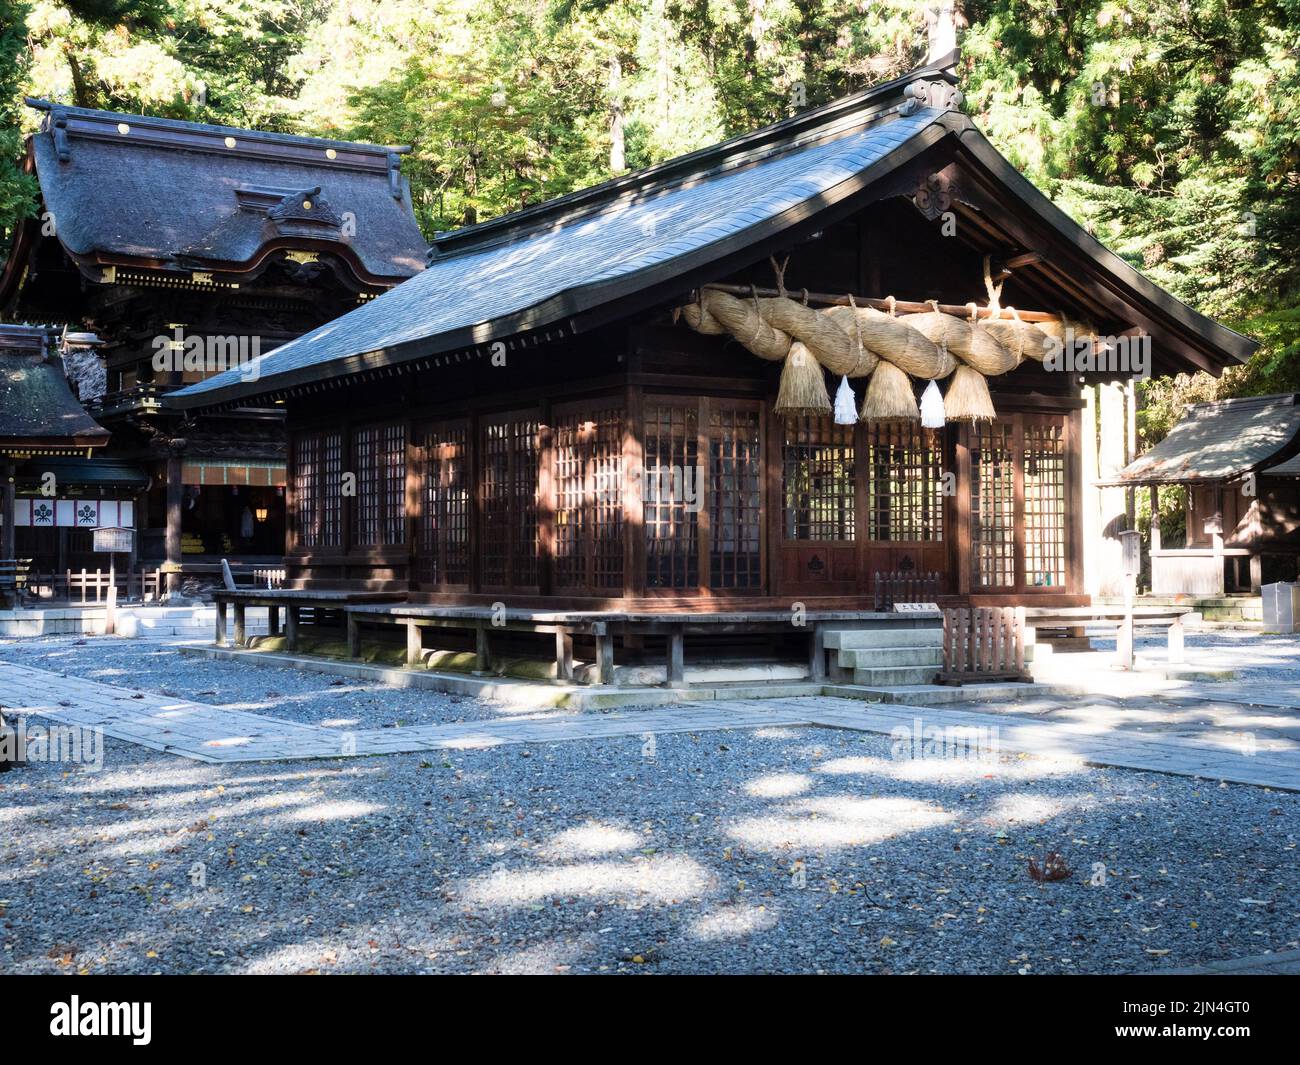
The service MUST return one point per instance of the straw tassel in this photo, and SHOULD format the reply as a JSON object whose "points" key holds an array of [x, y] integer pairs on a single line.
{"points": [[889, 396], [932, 407], [968, 398], [803, 385]]}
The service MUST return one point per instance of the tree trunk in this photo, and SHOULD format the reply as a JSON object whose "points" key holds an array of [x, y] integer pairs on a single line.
{"points": [[617, 149]]}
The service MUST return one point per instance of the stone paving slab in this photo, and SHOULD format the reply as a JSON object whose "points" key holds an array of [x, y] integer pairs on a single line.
{"points": [[217, 735], [1283, 963]]}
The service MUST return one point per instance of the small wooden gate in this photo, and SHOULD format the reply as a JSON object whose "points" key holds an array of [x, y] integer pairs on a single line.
{"points": [[983, 644], [904, 586]]}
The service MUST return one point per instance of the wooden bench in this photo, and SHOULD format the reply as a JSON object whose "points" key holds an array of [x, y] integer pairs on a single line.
{"points": [[292, 601], [1143, 617], [604, 627], [482, 621]]}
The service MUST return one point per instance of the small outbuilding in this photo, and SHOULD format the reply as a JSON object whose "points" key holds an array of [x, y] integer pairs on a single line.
{"points": [[1242, 510]]}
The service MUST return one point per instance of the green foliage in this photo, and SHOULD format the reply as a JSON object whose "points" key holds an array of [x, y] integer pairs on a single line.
{"points": [[17, 190]]}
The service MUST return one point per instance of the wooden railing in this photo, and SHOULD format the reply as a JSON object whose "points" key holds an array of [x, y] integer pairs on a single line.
{"points": [[266, 578], [86, 586], [13, 574], [983, 643], [904, 586]]}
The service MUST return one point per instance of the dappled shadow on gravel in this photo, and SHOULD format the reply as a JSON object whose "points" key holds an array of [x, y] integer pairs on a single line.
{"points": [[157, 666], [777, 850]]}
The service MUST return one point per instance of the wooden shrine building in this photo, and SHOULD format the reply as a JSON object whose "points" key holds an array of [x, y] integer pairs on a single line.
{"points": [[41, 426], [1234, 458], [620, 400], [169, 251]]}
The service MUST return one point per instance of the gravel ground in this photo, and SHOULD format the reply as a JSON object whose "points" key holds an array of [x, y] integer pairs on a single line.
{"points": [[780, 850], [295, 695]]}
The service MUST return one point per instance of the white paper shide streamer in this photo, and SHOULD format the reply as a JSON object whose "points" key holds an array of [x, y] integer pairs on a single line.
{"points": [[931, 407], [846, 410]]}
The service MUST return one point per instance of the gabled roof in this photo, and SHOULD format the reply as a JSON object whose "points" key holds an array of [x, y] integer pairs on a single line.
{"points": [[536, 271], [130, 189], [1289, 468], [1218, 441], [38, 412]]}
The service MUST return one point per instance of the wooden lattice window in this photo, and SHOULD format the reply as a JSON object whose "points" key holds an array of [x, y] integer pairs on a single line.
{"points": [[904, 482], [1045, 457], [509, 536], [671, 511], [993, 505], [442, 528], [317, 488], [379, 461], [589, 499], [817, 479], [735, 499]]}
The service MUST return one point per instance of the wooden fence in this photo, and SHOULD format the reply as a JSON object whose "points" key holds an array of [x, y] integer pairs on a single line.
{"points": [[983, 643], [86, 586], [904, 586]]}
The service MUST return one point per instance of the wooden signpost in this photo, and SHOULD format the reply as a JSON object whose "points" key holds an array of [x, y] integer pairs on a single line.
{"points": [[113, 541]]}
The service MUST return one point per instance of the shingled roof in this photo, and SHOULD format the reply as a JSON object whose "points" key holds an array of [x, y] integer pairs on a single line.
{"points": [[130, 189], [549, 269], [38, 412], [1289, 468], [1218, 441]]}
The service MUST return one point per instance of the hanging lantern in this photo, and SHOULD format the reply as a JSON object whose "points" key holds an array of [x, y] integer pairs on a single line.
{"points": [[932, 407], [846, 410]]}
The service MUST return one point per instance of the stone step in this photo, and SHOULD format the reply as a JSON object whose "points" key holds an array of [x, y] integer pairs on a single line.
{"points": [[942, 694], [889, 677], [885, 657], [894, 636]]}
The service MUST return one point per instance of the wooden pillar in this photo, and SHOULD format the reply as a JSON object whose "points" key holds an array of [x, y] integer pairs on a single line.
{"points": [[563, 654], [1216, 536], [1155, 517], [604, 657], [291, 627], [482, 650], [241, 624], [354, 634], [414, 644], [1022, 577], [1154, 491], [816, 653], [633, 501], [547, 501], [961, 559], [8, 541], [175, 493], [677, 657], [1130, 449], [219, 637], [273, 620], [1113, 517]]}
